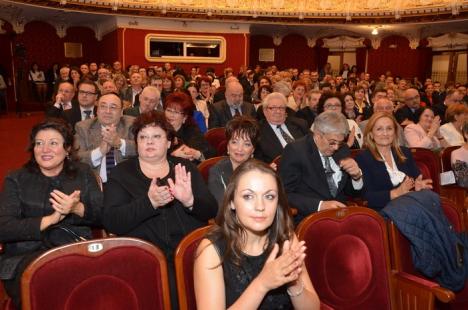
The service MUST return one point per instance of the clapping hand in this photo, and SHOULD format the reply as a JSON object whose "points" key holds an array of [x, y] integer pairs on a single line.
{"points": [[283, 269], [420, 184], [63, 203], [159, 195], [181, 188]]}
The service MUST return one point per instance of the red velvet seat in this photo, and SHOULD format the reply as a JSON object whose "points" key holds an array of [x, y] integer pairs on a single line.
{"points": [[215, 136], [429, 165], [205, 166], [402, 261], [184, 260], [445, 157], [348, 261], [114, 273]]}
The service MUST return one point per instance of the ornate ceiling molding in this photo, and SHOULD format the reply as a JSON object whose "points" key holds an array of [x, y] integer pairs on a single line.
{"points": [[343, 43], [278, 11]]}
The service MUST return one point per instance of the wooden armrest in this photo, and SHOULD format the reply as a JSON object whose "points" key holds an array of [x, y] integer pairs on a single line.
{"points": [[412, 292]]}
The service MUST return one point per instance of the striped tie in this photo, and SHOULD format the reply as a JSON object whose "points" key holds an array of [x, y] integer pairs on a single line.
{"points": [[285, 135], [110, 161]]}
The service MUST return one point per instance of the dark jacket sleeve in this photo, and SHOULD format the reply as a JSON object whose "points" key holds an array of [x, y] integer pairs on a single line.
{"points": [[13, 226], [92, 198], [194, 138], [204, 204], [290, 171], [215, 182], [122, 212]]}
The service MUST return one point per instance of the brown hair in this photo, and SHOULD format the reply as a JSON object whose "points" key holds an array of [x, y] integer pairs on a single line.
{"points": [[153, 119], [369, 139], [454, 110], [243, 126], [227, 227]]}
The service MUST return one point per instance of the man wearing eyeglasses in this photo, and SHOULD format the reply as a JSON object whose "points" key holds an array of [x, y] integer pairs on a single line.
{"points": [[316, 170], [150, 99], [83, 109], [409, 114], [277, 129], [105, 140]]}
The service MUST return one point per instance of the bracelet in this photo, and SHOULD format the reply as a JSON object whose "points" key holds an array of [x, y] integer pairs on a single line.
{"points": [[299, 292]]}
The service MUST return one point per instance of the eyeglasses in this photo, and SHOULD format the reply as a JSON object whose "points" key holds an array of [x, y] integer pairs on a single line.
{"points": [[332, 106], [332, 143], [278, 109], [86, 93], [171, 111]]}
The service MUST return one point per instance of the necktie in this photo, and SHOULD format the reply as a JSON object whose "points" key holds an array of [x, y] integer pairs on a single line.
{"points": [[329, 173], [285, 135], [110, 161], [236, 112], [87, 114]]}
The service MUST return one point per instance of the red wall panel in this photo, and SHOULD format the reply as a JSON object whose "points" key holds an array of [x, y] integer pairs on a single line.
{"points": [[134, 49], [292, 52], [109, 50], [400, 59]]}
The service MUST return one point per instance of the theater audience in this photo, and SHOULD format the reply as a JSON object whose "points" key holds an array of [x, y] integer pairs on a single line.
{"points": [[455, 116], [49, 202], [388, 169], [155, 196], [425, 133], [251, 258], [190, 143], [242, 135]]}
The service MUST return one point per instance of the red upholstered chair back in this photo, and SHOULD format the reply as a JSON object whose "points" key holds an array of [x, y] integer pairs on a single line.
{"points": [[205, 166], [222, 148], [429, 164], [446, 158], [348, 257], [184, 260], [114, 273], [215, 136]]}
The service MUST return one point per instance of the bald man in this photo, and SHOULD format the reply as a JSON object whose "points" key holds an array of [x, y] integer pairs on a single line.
{"points": [[223, 111], [150, 99], [409, 113]]}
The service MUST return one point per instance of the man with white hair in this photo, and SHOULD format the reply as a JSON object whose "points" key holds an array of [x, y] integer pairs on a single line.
{"points": [[277, 129], [223, 111], [317, 170], [149, 100]]}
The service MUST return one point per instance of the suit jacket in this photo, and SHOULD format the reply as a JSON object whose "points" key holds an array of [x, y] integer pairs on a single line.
{"points": [[88, 137], [218, 178], [377, 183], [304, 180], [132, 111], [269, 146], [220, 113], [72, 116], [406, 113], [127, 95], [439, 109], [307, 114]]}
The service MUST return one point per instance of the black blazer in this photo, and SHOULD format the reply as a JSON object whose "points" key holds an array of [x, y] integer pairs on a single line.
{"points": [[377, 183], [307, 114], [304, 179], [220, 113], [406, 113], [269, 146], [72, 116]]}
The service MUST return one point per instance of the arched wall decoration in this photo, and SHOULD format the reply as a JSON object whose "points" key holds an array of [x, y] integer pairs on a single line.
{"points": [[343, 43], [449, 40]]}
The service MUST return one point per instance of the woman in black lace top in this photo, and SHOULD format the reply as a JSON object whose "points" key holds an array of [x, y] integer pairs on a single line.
{"points": [[251, 259]]}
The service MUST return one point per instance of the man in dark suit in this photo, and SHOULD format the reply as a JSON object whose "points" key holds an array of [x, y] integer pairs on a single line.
{"points": [[130, 95], [149, 100], [105, 140], [81, 109], [223, 111], [316, 170], [310, 112], [410, 112], [277, 129]]}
